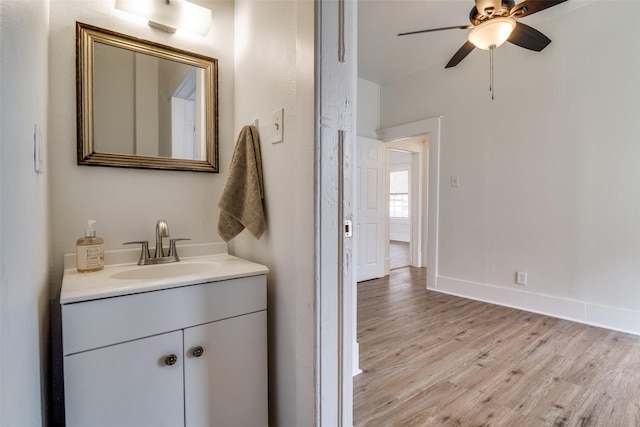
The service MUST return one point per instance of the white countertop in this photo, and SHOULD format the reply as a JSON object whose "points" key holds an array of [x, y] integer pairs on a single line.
{"points": [[130, 278]]}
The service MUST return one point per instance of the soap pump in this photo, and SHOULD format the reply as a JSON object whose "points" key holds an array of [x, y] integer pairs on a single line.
{"points": [[90, 250]]}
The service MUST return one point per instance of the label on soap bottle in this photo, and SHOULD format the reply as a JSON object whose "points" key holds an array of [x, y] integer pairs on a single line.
{"points": [[90, 257]]}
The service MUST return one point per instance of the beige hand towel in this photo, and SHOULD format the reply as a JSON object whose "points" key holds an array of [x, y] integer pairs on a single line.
{"points": [[241, 202]]}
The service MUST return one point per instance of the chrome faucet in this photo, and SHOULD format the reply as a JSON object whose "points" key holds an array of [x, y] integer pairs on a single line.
{"points": [[162, 230]]}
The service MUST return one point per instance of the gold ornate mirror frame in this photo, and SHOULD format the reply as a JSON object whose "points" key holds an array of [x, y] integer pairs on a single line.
{"points": [[86, 38]]}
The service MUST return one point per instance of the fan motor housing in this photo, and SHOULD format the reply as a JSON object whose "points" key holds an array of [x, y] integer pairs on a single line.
{"points": [[487, 9]]}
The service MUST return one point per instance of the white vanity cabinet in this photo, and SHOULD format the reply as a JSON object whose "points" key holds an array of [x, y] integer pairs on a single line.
{"points": [[185, 356]]}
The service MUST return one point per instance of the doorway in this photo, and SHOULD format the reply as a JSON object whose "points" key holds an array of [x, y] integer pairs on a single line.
{"points": [[423, 139], [391, 183], [406, 187], [400, 204]]}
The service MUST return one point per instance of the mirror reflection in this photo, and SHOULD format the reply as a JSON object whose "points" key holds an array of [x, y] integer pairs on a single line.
{"points": [[145, 105]]}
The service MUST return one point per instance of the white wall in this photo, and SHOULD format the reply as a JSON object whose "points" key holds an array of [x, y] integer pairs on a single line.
{"points": [[275, 69], [549, 176], [24, 215], [368, 108], [127, 202]]}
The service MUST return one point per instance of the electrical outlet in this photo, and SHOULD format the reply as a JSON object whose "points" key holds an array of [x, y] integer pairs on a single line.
{"points": [[521, 278]]}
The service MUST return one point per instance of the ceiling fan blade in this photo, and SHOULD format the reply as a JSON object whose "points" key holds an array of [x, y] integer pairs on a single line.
{"points": [[459, 27], [528, 37], [460, 54], [529, 7]]}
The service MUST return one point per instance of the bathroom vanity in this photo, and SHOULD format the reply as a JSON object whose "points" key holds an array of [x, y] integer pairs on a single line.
{"points": [[182, 344]]}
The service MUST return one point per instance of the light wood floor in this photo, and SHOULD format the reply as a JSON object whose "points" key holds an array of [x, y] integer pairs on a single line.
{"points": [[436, 360], [398, 254]]}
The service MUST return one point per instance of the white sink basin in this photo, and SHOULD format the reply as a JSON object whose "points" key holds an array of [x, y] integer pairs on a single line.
{"points": [[124, 279], [166, 271]]}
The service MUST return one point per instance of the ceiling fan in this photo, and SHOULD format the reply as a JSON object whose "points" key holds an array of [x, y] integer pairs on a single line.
{"points": [[493, 22]]}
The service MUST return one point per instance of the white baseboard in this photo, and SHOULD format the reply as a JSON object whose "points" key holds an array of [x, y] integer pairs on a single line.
{"points": [[356, 359], [613, 318]]}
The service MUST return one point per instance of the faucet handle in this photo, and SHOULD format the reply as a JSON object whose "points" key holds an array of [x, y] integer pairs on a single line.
{"points": [[172, 248], [144, 254]]}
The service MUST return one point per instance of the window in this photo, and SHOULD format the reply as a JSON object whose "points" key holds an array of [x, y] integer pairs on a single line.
{"points": [[399, 194], [399, 205]]}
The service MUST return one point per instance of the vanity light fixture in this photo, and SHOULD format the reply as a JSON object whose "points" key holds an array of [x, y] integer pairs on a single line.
{"points": [[492, 33], [169, 15]]}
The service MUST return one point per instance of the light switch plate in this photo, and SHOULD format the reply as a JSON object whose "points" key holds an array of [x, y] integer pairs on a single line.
{"points": [[38, 161], [277, 123]]}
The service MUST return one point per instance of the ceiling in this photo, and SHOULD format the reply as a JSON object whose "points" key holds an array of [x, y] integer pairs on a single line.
{"points": [[383, 56]]}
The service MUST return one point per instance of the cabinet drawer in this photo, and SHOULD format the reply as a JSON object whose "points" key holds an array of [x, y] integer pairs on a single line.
{"points": [[108, 321]]}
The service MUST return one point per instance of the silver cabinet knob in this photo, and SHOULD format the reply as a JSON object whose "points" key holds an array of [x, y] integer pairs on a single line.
{"points": [[170, 360], [198, 351]]}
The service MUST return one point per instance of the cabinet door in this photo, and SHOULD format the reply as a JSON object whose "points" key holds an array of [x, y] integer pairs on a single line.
{"points": [[127, 384], [227, 385]]}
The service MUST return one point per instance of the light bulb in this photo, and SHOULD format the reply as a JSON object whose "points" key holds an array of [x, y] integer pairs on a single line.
{"points": [[493, 32]]}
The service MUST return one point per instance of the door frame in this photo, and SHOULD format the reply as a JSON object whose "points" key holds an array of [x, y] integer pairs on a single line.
{"points": [[335, 82], [433, 127], [417, 148]]}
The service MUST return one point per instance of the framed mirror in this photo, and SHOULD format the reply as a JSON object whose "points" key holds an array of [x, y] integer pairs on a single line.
{"points": [[144, 105]]}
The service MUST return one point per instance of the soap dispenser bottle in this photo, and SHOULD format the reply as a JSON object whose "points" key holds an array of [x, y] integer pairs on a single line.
{"points": [[90, 250]]}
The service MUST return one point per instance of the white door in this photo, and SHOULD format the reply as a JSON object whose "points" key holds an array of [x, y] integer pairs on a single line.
{"points": [[370, 209], [225, 373], [128, 384], [183, 129]]}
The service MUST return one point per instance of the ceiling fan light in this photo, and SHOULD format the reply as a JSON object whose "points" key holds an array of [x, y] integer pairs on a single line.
{"points": [[493, 32]]}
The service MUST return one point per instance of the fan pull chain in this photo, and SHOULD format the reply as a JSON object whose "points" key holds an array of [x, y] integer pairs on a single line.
{"points": [[491, 84]]}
